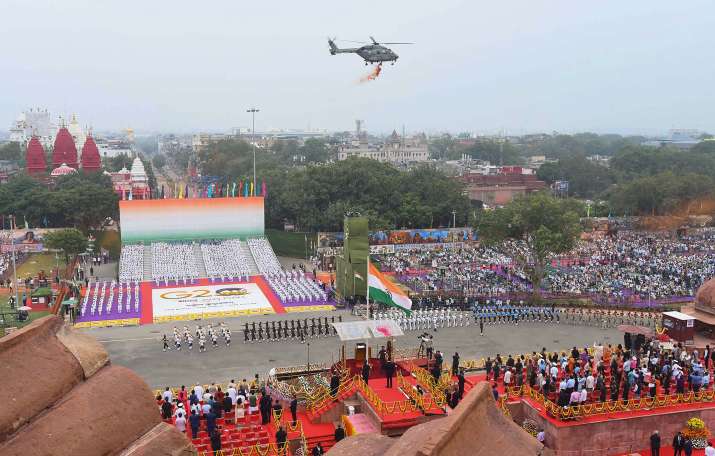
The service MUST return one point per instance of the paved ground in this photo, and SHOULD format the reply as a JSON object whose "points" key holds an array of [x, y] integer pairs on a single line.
{"points": [[140, 348]]}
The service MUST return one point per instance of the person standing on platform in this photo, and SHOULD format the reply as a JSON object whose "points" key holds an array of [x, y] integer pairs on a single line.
{"points": [[655, 444], [382, 355], [334, 384], [678, 443], [366, 372], [339, 433], [195, 422], [294, 409], [455, 363], [216, 441], [389, 372], [265, 408], [688, 447]]}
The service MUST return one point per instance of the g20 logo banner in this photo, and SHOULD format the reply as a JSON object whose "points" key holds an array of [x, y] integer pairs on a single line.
{"points": [[203, 293], [209, 299]]}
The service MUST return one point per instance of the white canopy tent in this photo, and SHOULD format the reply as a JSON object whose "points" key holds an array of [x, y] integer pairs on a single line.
{"points": [[367, 329]]}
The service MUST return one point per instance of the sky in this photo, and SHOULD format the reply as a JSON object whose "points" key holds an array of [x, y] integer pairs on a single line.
{"points": [[516, 66]]}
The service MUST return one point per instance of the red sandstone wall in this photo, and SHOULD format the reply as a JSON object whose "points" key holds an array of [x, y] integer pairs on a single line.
{"points": [[615, 435]]}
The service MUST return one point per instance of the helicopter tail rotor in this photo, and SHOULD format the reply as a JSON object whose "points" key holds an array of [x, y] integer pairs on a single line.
{"points": [[333, 47]]}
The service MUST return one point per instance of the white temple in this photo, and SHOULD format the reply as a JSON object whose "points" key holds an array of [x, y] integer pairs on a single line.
{"points": [[76, 131], [132, 184], [35, 121]]}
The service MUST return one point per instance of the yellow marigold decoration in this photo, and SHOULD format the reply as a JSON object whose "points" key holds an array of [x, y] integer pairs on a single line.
{"points": [[696, 430]]}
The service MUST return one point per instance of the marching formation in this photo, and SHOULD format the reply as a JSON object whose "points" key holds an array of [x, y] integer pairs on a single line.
{"points": [[419, 320], [289, 329], [497, 311], [212, 332]]}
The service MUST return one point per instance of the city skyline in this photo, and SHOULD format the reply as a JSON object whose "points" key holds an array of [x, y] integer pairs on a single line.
{"points": [[526, 67]]}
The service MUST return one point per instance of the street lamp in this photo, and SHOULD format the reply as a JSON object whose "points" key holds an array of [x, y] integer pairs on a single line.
{"points": [[253, 112], [14, 264], [454, 219]]}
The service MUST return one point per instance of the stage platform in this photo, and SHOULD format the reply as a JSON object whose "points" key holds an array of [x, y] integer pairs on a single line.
{"points": [[148, 302]]}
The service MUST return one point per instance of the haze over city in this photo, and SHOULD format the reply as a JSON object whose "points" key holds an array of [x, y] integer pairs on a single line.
{"points": [[521, 66]]}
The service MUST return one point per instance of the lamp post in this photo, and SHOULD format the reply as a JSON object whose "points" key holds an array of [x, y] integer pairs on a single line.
{"points": [[253, 112], [454, 219], [14, 265]]}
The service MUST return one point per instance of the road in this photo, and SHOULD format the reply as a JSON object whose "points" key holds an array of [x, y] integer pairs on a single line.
{"points": [[140, 348]]}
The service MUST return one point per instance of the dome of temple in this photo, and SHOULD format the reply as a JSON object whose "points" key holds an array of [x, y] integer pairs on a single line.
{"points": [[90, 156], [705, 298], [35, 157], [62, 170], [65, 150], [138, 173]]}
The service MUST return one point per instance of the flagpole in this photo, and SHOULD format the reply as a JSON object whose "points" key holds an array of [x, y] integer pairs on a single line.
{"points": [[367, 286]]}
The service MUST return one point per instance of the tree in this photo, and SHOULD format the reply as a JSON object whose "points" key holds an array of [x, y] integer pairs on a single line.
{"points": [[586, 178], [442, 148], [11, 151], [71, 241], [665, 193], [159, 161], [495, 152], [114, 164], [315, 151], [704, 147], [81, 200], [546, 225]]}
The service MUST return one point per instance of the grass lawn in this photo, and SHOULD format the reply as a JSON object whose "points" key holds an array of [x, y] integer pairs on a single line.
{"points": [[37, 262], [289, 244], [5, 308]]}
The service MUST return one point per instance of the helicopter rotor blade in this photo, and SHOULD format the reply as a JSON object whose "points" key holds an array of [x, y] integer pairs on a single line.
{"points": [[397, 43], [351, 41]]}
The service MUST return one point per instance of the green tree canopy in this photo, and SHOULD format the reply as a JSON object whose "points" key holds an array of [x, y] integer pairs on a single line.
{"points": [[315, 151], [82, 200], [71, 241], [545, 224], [586, 178], [12, 151], [495, 152], [159, 161], [665, 193]]}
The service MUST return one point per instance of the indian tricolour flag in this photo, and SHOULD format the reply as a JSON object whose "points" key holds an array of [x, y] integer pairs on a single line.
{"points": [[384, 291]]}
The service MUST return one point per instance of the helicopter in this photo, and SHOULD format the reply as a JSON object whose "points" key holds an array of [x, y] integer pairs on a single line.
{"points": [[371, 53]]}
